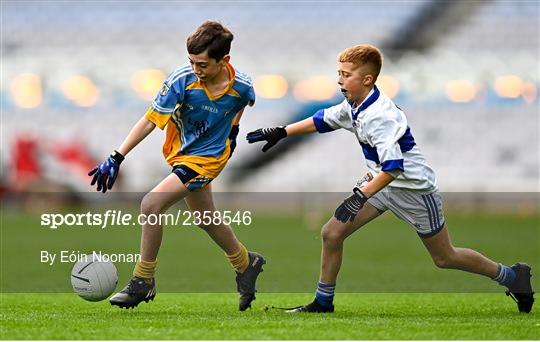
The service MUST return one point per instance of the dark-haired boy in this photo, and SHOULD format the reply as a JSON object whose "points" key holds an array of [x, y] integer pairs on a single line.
{"points": [[200, 105]]}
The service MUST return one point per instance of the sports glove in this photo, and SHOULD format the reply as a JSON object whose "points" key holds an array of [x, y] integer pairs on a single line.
{"points": [[105, 174], [352, 205], [348, 210], [232, 137], [272, 135]]}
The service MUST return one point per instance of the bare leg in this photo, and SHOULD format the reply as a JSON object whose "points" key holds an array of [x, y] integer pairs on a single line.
{"points": [[445, 255], [222, 234], [334, 234], [248, 265], [142, 287], [156, 202]]}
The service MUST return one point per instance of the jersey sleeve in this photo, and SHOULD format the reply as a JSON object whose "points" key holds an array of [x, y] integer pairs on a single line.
{"points": [[245, 90], [248, 97], [385, 134], [171, 94], [330, 119], [251, 96]]}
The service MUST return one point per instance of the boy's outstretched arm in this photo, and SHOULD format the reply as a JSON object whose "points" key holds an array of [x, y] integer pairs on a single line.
{"points": [[105, 173], [274, 134], [301, 127], [140, 130]]}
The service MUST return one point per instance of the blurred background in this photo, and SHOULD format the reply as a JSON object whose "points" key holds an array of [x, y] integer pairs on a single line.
{"points": [[77, 75]]}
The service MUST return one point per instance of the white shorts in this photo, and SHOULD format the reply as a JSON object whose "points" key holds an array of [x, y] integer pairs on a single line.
{"points": [[422, 210]]}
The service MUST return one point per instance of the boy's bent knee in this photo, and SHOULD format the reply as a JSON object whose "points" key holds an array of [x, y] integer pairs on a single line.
{"points": [[150, 205], [444, 261], [331, 233]]}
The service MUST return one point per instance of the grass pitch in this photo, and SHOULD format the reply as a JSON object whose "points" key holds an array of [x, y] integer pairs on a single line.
{"points": [[385, 256], [214, 316], [403, 295]]}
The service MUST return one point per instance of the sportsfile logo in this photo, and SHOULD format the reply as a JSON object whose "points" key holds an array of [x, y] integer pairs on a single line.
{"points": [[118, 218], [102, 220]]}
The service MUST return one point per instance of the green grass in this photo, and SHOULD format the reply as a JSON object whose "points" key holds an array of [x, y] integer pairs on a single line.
{"points": [[388, 287], [375, 257], [214, 316]]}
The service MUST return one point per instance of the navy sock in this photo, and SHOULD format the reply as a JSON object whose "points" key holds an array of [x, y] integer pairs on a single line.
{"points": [[505, 275], [325, 293]]}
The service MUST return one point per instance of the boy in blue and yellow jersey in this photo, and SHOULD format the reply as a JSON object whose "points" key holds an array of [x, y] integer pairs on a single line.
{"points": [[200, 105]]}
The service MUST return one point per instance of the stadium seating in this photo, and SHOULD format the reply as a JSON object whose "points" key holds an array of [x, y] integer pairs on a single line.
{"points": [[488, 144]]}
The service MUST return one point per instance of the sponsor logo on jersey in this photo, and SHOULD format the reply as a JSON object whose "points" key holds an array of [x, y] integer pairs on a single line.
{"points": [[209, 108], [164, 90], [199, 127]]}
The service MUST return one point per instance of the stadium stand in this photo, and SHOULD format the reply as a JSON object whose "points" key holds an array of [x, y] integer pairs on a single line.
{"points": [[487, 144]]}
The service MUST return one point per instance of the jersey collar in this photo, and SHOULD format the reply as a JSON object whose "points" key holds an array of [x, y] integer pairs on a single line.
{"points": [[370, 99], [229, 86]]}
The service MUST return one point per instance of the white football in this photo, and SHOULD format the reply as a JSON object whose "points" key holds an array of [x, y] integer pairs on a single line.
{"points": [[94, 280]]}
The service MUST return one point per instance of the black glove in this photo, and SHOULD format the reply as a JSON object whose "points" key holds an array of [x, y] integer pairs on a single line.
{"points": [[271, 134], [348, 210], [105, 173], [232, 137]]}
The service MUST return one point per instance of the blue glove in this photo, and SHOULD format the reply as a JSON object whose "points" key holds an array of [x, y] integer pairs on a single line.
{"points": [[232, 137], [105, 174]]}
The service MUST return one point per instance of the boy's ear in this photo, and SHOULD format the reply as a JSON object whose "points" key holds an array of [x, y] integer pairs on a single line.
{"points": [[369, 80], [226, 58]]}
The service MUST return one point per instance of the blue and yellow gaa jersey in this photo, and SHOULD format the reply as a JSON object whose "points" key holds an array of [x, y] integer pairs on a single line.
{"points": [[198, 124]]}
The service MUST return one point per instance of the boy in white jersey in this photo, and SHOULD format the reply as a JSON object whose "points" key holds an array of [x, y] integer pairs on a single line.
{"points": [[200, 106], [403, 183]]}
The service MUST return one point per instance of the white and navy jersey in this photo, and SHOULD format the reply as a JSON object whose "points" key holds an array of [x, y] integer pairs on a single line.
{"points": [[386, 139]]}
